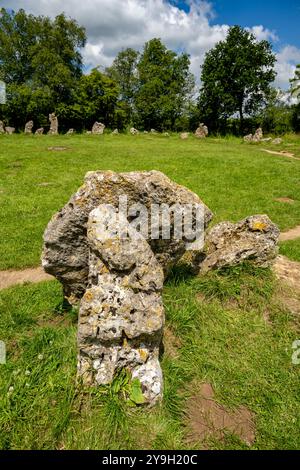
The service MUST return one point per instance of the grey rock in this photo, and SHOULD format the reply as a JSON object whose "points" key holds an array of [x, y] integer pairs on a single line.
{"points": [[66, 254], [2, 130], [134, 131], [257, 137], [277, 141], [39, 131], [254, 239], [184, 135], [10, 130], [98, 128], [118, 281], [53, 124], [201, 132], [115, 132], [70, 132], [28, 127]]}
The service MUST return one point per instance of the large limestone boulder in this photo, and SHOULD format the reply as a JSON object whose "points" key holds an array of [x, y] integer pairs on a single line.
{"points": [[118, 279], [98, 128], [66, 251], [202, 131], [257, 137], [253, 239], [39, 131], [134, 131]]}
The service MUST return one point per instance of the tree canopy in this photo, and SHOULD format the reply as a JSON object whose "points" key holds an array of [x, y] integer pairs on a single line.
{"points": [[236, 77]]}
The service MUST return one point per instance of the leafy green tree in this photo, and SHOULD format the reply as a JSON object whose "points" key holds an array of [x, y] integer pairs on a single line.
{"points": [[95, 99], [165, 86], [41, 63], [236, 78], [124, 72]]}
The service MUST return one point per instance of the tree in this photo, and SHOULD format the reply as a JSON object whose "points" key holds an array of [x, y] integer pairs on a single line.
{"points": [[95, 99], [124, 72], [165, 86], [236, 77], [295, 82], [40, 61]]}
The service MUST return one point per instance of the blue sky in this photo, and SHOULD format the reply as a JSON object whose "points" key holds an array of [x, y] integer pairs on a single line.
{"points": [[280, 16], [193, 26]]}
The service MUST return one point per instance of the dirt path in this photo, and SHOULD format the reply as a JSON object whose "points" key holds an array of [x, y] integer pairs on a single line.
{"points": [[291, 234], [10, 278], [281, 154]]}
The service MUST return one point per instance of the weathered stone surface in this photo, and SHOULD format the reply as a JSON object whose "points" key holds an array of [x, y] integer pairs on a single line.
{"points": [[257, 137], [184, 135], [10, 130], [115, 132], [66, 251], [39, 131], [2, 130], [277, 141], [121, 313], [118, 279], [153, 131], [70, 132], [98, 128], [134, 131], [253, 239], [53, 124], [28, 127], [201, 132]]}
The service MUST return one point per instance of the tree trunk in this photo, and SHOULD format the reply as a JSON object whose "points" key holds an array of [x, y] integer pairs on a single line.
{"points": [[241, 118]]}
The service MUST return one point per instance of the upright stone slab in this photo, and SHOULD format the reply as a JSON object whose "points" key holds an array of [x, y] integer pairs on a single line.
{"points": [[202, 131], [28, 127], [53, 124], [98, 128]]}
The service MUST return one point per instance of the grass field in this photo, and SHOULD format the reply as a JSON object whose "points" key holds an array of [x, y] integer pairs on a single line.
{"points": [[230, 328]]}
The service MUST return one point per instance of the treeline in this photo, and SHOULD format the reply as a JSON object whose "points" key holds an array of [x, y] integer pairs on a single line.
{"points": [[41, 64]]}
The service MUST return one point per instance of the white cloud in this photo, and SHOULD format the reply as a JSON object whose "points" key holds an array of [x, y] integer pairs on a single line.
{"points": [[287, 59], [112, 25]]}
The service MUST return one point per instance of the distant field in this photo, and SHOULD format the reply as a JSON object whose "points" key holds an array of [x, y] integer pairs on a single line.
{"points": [[232, 330], [234, 179]]}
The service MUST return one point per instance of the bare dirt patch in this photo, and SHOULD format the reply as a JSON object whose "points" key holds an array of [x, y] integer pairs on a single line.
{"points": [[208, 419], [287, 271], [171, 343], [291, 234], [281, 154], [285, 200], [58, 149], [10, 278]]}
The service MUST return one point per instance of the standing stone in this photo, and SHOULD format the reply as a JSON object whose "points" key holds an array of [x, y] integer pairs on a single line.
{"points": [[257, 137], [201, 131], [98, 128], [2, 130], [134, 131], [153, 131], [253, 239], [53, 124], [118, 281], [10, 130], [115, 132], [70, 132], [39, 131], [28, 127]]}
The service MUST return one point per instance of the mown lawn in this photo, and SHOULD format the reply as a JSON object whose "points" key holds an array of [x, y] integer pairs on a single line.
{"points": [[230, 328]]}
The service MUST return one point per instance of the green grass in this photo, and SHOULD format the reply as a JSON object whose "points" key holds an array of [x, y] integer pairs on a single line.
{"points": [[224, 340], [291, 249], [234, 179], [233, 329]]}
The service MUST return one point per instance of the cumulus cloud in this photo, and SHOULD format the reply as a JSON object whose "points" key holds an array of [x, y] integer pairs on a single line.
{"points": [[112, 25]]}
